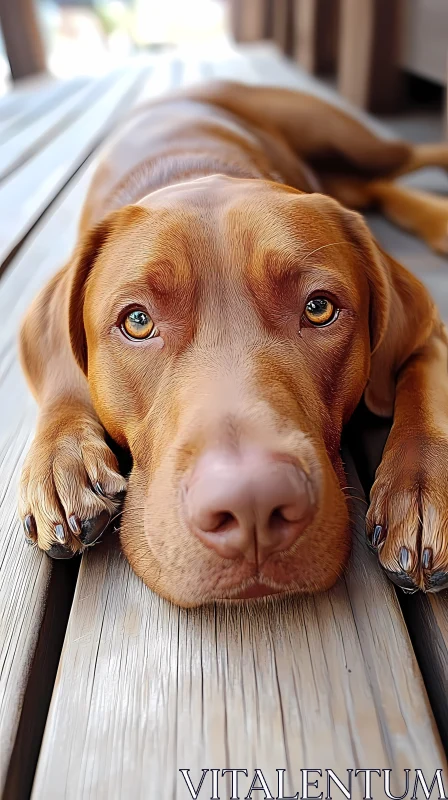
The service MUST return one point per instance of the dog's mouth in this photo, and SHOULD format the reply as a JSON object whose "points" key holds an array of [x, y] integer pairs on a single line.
{"points": [[254, 589], [257, 590]]}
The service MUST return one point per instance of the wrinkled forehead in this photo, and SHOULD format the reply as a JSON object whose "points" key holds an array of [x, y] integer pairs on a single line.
{"points": [[220, 228]]}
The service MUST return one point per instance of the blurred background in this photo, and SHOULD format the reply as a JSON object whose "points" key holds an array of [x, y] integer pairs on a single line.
{"points": [[381, 54]]}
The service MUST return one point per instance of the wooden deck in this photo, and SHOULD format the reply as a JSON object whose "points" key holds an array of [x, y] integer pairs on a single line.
{"points": [[107, 691]]}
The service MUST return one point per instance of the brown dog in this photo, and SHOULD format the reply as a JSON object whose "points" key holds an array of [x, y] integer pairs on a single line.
{"points": [[221, 318]]}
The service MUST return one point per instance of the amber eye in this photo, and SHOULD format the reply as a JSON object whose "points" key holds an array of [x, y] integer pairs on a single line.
{"points": [[320, 311], [138, 324]]}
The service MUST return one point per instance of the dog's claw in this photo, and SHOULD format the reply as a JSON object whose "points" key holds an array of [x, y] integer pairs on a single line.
{"points": [[60, 551], [378, 536], [92, 529], [74, 524], [427, 558], [437, 581], [29, 526], [402, 580], [59, 533], [404, 559]]}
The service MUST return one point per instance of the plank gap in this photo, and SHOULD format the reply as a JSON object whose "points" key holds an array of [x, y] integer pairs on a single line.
{"points": [[40, 684]]}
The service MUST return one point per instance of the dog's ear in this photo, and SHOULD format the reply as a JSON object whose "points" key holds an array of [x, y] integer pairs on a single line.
{"points": [[88, 251], [402, 316]]}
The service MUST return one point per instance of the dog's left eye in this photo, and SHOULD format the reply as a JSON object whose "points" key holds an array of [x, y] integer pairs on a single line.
{"points": [[320, 311], [137, 324]]}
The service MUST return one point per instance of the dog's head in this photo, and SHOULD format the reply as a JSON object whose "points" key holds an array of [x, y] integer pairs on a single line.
{"points": [[228, 329]]}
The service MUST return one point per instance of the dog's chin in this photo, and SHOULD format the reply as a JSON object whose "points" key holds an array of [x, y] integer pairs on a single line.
{"points": [[254, 588], [256, 591], [253, 592], [213, 580], [176, 566]]}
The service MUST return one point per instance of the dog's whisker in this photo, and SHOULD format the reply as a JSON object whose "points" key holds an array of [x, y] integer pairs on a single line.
{"points": [[322, 247]]}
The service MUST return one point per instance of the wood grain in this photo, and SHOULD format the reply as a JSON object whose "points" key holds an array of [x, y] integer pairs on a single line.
{"points": [[20, 108], [144, 689], [25, 195], [21, 141], [26, 575]]}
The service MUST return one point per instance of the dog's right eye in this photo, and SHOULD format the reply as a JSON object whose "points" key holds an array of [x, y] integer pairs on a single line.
{"points": [[137, 324], [320, 311]]}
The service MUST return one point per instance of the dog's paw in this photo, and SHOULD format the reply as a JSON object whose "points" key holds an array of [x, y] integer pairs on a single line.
{"points": [[70, 487], [434, 224], [407, 521], [439, 238]]}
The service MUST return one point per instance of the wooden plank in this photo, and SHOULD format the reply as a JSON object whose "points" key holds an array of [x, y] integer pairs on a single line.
{"points": [[22, 37], [316, 34], [34, 104], [28, 191], [145, 689], [368, 53], [25, 573], [35, 593], [29, 139], [16, 101]]}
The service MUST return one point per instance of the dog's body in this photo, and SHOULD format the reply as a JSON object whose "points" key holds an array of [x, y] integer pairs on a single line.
{"points": [[221, 319]]}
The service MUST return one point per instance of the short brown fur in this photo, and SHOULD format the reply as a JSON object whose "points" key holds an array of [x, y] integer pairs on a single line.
{"points": [[220, 211]]}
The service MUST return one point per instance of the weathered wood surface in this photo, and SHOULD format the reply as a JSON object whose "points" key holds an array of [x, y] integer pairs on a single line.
{"points": [[30, 607], [31, 100], [27, 136], [27, 192], [144, 689]]}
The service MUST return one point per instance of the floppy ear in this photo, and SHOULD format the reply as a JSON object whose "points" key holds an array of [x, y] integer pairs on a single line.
{"points": [[86, 254], [402, 316]]}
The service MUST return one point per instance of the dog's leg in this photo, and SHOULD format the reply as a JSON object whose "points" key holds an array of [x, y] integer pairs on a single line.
{"points": [[70, 484], [408, 515], [425, 155], [313, 128], [420, 213], [319, 131]]}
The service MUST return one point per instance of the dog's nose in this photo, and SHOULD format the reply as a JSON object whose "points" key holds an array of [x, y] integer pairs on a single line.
{"points": [[248, 504]]}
